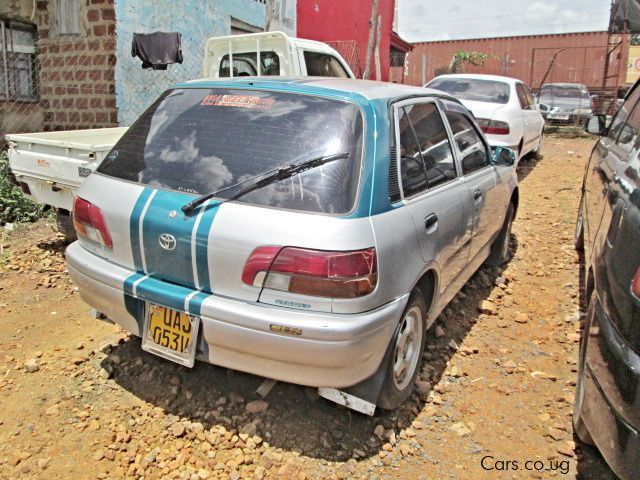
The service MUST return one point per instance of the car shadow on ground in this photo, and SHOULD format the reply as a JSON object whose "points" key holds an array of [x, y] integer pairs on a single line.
{"points": [[526, 165], [297, 419]]}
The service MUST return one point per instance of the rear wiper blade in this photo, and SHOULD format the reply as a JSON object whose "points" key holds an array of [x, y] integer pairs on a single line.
{"points": [[272, 176]]}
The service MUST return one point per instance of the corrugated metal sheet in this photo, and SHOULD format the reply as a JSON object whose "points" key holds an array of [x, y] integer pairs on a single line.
{"points": [[579, 58]]}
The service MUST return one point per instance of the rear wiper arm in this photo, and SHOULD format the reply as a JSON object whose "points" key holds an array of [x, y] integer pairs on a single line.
{"points": [[280, 173]]}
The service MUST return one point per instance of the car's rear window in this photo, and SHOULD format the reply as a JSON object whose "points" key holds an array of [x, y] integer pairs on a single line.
{"points": [[564, 91], [203, 140], [472, 89]]}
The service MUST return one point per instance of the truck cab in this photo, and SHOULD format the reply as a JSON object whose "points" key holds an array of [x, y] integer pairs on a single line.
{"points": [[280, 55]]}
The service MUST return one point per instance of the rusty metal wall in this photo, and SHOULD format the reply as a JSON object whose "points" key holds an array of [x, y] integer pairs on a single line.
{"points": [[572, 57]]}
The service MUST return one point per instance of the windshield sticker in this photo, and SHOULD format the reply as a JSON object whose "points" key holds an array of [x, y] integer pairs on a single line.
{"points": [[241, 101]]}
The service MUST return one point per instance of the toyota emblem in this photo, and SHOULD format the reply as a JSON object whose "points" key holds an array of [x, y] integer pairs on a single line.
{"points": [[167, 241]]}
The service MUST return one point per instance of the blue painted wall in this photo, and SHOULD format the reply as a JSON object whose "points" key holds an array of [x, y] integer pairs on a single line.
{"points": [[196, 20]]}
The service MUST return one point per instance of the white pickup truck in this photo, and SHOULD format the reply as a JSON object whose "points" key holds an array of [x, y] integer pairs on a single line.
{"points": [[51, 166]]}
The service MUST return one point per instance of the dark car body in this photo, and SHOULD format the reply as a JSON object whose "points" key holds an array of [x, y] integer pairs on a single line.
{"points": [[607, 409]]}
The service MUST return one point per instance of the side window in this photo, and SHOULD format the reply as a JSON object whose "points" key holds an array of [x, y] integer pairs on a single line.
{"points": [[628, 137], [622, 115], [434, 142], [472, 149], [522, 96], [323, 65], [426, 158], [412, 172], [530, 99]]}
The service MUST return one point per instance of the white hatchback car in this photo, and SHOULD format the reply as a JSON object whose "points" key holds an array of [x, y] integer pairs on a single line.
{"points": [[504, 108]]}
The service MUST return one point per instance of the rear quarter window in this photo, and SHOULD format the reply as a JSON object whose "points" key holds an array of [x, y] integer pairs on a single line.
{"points": [[199, 141], [323, 65]]}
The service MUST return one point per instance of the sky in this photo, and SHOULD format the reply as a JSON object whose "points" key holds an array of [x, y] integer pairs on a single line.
{"points": [[425, 20]]}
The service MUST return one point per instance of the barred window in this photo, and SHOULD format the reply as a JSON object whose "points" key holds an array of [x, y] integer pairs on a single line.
{"points": [[17, 61]]}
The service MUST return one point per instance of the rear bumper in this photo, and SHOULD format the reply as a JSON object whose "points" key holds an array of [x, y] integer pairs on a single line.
{"points": [[333, 350], [611, 402], [48, 192]]}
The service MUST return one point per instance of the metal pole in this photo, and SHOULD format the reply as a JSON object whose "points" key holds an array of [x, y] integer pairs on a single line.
{"points": [[4, 59], [608, 52], [371, 41]]}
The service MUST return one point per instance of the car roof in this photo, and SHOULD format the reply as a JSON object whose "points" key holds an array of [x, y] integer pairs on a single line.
{"points": [[371, 90], [561, 84], [477, 76]]}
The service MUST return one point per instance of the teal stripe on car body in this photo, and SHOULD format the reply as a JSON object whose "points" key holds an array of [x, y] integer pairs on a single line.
{"points": [[208, 213], [177, 280], [134, 223], [164, 216]]}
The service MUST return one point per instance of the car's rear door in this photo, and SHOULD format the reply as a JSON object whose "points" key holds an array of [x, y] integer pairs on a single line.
{"points": [[433, 191], [529, 117], [489, 195], [534, 120]]}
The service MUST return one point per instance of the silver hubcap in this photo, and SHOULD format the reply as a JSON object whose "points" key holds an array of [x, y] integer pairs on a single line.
{"points": [[407, 351]]}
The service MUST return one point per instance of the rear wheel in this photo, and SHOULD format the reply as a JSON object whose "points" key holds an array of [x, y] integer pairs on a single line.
{"points": [[578, 237], [404, 364], [579, 426], [519, 151], [500, 247], [538, 152]]}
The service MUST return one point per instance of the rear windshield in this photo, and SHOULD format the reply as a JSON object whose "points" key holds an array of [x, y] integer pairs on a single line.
{"points": [[203, 140], [489, 91], [564, 91], [245, 64]]}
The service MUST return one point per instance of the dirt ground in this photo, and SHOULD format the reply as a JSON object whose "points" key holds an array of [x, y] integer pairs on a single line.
{"points": [[79, 399]]}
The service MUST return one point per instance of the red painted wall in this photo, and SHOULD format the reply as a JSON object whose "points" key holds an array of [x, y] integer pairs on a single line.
{"points": [[344, 24], [527, 58]]}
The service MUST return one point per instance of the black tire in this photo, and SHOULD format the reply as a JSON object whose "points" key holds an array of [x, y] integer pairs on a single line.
{"points": [[579, 427], [538, 153], [64, 222], [519, 151], [500, 247], [578, 236], [395, 391]]}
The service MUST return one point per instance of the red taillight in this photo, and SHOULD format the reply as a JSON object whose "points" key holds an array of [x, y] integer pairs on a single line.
{"points": [[635, 285], [493, 127], [89, 222], [259, 262], [313, 272]]}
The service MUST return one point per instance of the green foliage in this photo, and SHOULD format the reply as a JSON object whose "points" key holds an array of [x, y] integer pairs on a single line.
{"points": [[462, 57], [14, 206]]}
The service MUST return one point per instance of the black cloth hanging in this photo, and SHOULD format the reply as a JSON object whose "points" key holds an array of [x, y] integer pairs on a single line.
{"points": [[157, 49]]}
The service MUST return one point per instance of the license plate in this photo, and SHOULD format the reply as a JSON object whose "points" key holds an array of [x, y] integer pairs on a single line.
{"points": [[170, 334], [557, 116]]}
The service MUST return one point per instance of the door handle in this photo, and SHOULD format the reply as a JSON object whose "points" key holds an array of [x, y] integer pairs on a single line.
{"points": [[430, 221], [477, 195]]}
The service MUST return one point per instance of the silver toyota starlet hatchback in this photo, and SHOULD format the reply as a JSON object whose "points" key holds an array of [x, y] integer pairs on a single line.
{"points": [[305, 230]]}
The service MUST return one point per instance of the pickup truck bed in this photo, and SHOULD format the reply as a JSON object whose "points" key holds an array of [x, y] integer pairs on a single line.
{"points": [[51, 166]]}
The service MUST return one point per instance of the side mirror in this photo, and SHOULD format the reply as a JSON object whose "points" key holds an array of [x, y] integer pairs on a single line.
{"points": [[596, 124], [503, 156], [543, 107]]}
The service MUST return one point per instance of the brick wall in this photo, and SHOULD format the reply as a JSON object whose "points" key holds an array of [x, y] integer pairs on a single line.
{"points": [[76, 72]]}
